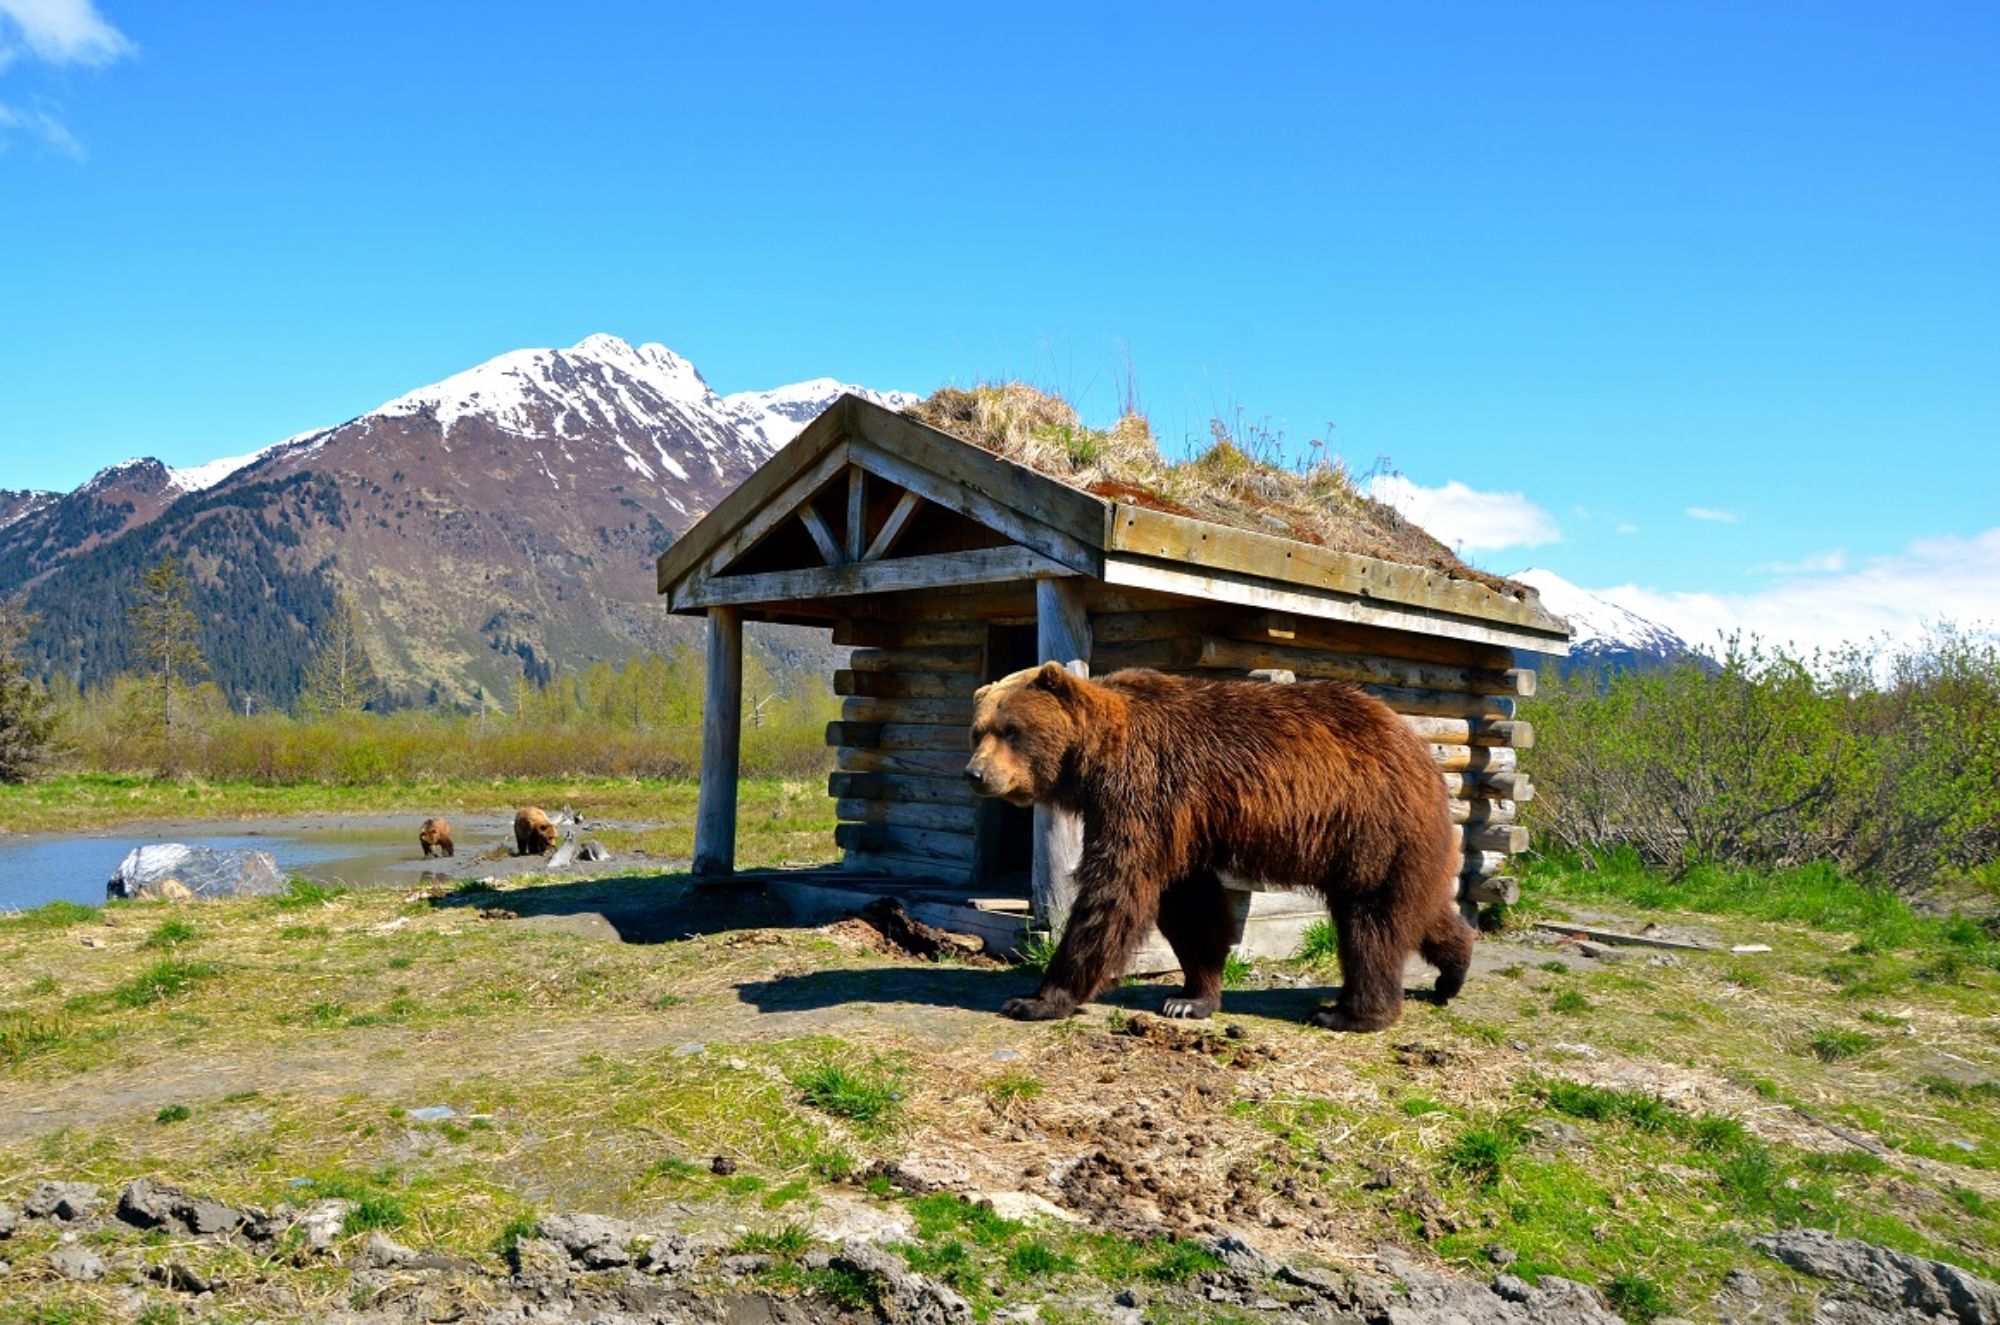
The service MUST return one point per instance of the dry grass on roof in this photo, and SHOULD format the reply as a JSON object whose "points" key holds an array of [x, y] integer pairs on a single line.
{"points": [[1224, 484]]}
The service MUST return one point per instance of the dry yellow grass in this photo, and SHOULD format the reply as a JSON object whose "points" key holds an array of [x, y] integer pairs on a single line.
{"points": [[1320, 504]]}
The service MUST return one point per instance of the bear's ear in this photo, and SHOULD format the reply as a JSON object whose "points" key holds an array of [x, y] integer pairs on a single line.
{"points": [[1056, 679]]}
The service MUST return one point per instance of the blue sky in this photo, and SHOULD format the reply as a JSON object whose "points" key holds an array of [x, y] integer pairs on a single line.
{"points": [[1602, 265]]}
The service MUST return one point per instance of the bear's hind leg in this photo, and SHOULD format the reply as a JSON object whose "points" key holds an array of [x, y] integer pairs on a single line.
{"points": [[1372, 954], [1447, 945], [1196, 920]]}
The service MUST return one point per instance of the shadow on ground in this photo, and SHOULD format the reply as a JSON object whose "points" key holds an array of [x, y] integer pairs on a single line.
{"points": [[632, 908]]}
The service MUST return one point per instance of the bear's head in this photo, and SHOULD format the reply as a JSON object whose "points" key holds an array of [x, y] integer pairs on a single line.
{"points": [[1024, 728]]}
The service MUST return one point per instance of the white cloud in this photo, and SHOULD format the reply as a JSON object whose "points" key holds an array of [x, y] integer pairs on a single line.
{"points": [[1931, 580], [60, 32], [44, 126], [1465, 518], [1817, 563], [1709, 513]]}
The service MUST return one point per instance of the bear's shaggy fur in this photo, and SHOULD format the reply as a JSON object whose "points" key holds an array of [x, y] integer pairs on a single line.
{"points": [[1312, 786], [435, 835], [535, 834]]}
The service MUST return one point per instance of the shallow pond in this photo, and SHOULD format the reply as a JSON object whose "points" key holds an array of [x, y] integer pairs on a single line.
{"points": [[354, 853]]}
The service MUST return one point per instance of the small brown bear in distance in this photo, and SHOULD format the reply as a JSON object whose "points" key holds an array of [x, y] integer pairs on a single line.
{"points": [[435, 835], [1312, 786], [535, 834]]}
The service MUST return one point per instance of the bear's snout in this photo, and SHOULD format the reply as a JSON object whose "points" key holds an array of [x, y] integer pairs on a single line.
{"points": [[976, 776]]}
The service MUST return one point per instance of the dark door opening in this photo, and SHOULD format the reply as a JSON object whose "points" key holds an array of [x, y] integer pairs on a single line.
{"points": [[1007, 832]]}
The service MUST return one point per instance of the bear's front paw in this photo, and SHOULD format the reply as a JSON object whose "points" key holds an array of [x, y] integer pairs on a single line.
{"points": [[1039, 1008], [1338, 1018], [1189, 1009]]}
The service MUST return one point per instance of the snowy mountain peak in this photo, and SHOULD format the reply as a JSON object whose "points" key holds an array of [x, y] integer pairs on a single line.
{"points": [[782, 413], [1602, 631]]}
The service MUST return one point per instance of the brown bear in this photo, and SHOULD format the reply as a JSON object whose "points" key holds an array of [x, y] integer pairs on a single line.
{"points": [[1178, 782], [435, 835], [535, 834]]}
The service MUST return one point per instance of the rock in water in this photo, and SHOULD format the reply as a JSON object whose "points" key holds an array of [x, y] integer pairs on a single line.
{"points": [[172, 870]]}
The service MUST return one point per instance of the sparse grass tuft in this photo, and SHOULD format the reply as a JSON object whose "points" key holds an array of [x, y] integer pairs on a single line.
{"points": [[1321, 942], [1236, 972], [55, 915], [869, 1096], [23, 1036], [173, 1113], [1481, 1152], [164, 979], [1011, 1086], [1636, 1298], [302, 893], [1569, 1002], [170, 934], [1834, 1044]]}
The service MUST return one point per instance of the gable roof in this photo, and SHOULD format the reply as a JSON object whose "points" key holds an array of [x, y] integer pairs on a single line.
{"points": [[1053, 529]]}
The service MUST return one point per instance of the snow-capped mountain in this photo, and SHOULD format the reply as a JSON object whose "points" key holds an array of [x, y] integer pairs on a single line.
{"points": [[495, 524], [17, 503], [1605, 635]]}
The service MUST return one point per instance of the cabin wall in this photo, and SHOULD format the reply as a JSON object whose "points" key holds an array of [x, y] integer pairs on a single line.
{"points": [[1459, 696], [900, 748]]}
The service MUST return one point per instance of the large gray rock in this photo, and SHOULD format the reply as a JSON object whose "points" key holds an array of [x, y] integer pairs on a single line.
{"points": [[1889, 1279], [179, 873], [78, 1263], [148, 1204], [62, 1200], [594, 1240], [904, 1298]]}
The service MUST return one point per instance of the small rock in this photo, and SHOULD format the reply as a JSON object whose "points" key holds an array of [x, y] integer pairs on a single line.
{"points": [[739, 1266], [1241, 1257], [1005, 1055], [79, 1263], [1960, 1143], [595, 1241], [323, 1222], [1743, 1283], [1502, 1256], [1267, 1304], [673, 1253], [690, 1049], [148, 1204], [91, 941], [1126, 1298], [182, 1278], [1234, 1031], [435, 1113], [1518, 1046], [1600, 952], [1380, 1180], [1324, 1282], [67, 1201], [1511, 1288], [722, 1166], [7, 1220], [1223, 1293], [385, 1253]]}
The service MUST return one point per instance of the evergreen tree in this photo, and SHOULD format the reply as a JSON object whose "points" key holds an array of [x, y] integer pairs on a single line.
{"points": [[340, 679], [27, 719], [165, 631]]}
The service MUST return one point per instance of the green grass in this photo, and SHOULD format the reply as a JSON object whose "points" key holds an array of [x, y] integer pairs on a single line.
{"points": [[54, 915], [1012, 1086], [1636, 1298], [1236, 972], [23, 1036], [1834, 1044], [1481, 1152], [868, 1095], [1569, 1002], [173, 1113], [171, 934], [1320, 942], [167, 978]]}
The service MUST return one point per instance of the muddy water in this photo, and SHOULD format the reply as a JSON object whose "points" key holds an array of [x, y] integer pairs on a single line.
{"points": [[357, 852]]}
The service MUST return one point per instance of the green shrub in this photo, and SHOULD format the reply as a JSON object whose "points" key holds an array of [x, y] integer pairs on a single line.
{"points": [[1480, 1153], [1834, 1044]]}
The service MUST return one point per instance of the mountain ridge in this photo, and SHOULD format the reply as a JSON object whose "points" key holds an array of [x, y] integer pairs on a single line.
{"points": [[1604, 636]]}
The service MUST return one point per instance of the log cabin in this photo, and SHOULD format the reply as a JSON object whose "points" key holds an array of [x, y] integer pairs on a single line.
{"points": [[943, 565]]}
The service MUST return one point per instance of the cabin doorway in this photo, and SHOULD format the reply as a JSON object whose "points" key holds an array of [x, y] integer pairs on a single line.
{"points": [[1007, 832]]}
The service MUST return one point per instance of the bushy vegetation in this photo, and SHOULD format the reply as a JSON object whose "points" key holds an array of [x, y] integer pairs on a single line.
{"points": [[641, 718], [1884, 764]]}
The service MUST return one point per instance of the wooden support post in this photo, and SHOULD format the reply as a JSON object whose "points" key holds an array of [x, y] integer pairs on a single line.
{"points": [[721, 732], [1062, 630], [857, 509]]}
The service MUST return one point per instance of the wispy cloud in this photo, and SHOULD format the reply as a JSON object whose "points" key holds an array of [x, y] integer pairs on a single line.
{"points": [[1466, 518], [1712, 515], [1627, 527], [59, 32], [55, 32], [1817, 563], [1932, 580]]}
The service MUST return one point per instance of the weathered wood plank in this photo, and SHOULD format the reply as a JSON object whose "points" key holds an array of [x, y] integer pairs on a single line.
{"points": [[721, 732], [1181, 540], [922, 763], [906, 685], [1346, 637], [1474, 758], [1247, 590], [1506, 786], [979, 566], [957, 874], [897, 736], [751, 495], [1359, 668], [761, 523], [876, 633], [857, 509], [1487, 892], [1483, 864], [892, 528], [1062, 635], [933, 789], [948, 712], [1510, 838], [918, 842], [962, 819], [1474, 731], [1483, 811], [942, 658], [822, 537]]}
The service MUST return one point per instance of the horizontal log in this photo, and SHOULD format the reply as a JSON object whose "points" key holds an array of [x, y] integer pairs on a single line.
{"points": [[1483, 864], [1503, 785], [931, 789], [897, 735], [1510, 838], [1488, 892], [873, 633], [938, 658], [1359, 668], [861, 708], [1524, 681], [908, 814], [986, 565], [1474, 731], [918, 842], [1474, 758], [1166, 623], [1345, 637], [1483, 811], [906, 685], [911, 867], [918, 763]]}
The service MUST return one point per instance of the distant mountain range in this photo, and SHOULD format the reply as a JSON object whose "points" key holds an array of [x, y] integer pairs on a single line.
{"points": [[492, 526], [1606, 636]]}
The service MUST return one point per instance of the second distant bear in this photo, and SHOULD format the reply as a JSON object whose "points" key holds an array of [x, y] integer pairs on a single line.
{"points": [[535, 834], [435, 836]]}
